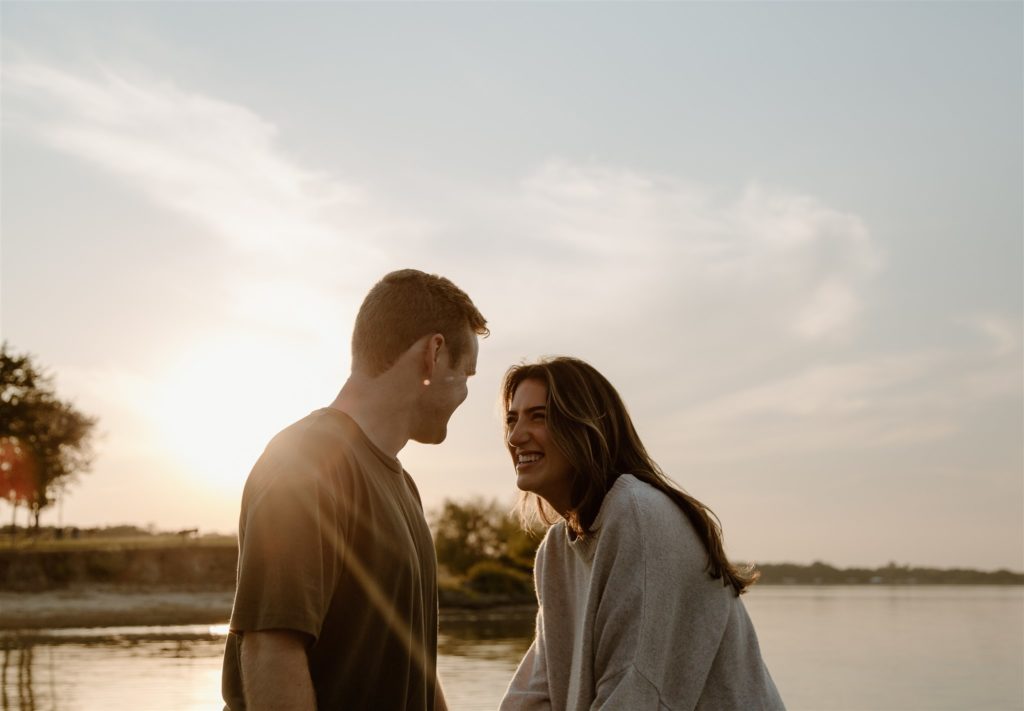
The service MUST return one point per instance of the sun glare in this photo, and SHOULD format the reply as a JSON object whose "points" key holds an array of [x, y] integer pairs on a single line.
{"points": [[221, 403]]}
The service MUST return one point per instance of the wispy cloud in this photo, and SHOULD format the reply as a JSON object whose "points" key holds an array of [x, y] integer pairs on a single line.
{"points": [[295, 244], [216, 162], [1002, 334], [730, 318], [772, 256], [842, 407], [299, 238], [853, 405], [599, 248], [621, 213]]}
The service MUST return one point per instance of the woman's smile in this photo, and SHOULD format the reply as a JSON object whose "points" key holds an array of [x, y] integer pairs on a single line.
{"points": [[541, 467]]}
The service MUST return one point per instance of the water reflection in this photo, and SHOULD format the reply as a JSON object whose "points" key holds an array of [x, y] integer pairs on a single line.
{"points": [[110, 668], [478, 653], [21, 657], [178, 667], [827, 648], [499, 634]]}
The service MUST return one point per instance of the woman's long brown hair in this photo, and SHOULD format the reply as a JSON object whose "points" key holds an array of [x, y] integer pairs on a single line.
{"points": [[589, 423]]}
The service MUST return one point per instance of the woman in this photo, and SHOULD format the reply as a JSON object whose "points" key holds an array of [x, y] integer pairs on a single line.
{"points": [[639, 606]]}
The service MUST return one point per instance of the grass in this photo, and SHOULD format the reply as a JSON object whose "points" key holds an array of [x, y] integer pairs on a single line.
{"points": [[171, 540]]}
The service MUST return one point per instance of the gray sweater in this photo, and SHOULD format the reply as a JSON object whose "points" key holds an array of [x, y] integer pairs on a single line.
{"points": [[630, 620]]}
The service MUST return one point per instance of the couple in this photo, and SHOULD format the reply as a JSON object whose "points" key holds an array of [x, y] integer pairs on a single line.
{"points": [[336, 598]]}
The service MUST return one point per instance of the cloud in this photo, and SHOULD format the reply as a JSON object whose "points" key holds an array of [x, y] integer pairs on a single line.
{"points": [[848, 408], [603, 239], [586, 258], [298, 240], [667, 278], [216, 162], [1002, 334], [845, 406], [730, 318], [831, 309], [621, 213]]}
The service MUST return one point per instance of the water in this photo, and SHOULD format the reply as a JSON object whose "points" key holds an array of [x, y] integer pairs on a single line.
{"points": [[178, 668], [828, 648], [893, 648]]}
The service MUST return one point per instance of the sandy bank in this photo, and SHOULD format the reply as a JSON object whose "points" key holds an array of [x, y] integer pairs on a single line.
{"points": [[112, 606], [130, 606]]}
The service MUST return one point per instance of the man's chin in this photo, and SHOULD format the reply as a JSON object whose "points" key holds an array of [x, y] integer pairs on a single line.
{"points": [[431, 438]]}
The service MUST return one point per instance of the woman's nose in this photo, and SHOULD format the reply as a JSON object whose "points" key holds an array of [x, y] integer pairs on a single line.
{"points": [[516, 435]]}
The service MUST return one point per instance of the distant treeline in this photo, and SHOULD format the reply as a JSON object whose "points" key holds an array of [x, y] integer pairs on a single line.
{"points": [[481, 549], [823, 574], [48, 533]]}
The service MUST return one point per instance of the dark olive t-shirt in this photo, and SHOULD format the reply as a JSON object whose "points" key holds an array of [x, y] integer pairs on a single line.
{"points": [[333, 544]]}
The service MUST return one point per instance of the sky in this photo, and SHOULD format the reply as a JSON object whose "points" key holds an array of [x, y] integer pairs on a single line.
{"points": [[789, 233]]}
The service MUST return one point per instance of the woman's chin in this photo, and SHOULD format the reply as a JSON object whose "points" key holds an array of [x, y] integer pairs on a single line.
{"points": [[525, 483]]}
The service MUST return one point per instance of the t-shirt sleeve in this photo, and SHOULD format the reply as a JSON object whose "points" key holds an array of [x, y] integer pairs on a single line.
{"points": [[289, 546]]}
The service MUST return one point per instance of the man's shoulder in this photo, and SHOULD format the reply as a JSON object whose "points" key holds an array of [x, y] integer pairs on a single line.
{"points": [[311, 448], [321, 436], [319, 425]]}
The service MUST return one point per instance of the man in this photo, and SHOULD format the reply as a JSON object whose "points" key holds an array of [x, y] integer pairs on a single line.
{"points": [[336, 598]]}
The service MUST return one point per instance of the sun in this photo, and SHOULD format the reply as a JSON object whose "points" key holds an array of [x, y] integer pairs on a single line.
{"points": [[220, 403]]}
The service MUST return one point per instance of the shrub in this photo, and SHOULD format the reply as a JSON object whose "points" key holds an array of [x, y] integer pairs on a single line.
{"points": [[493, 578], [475, 531]]}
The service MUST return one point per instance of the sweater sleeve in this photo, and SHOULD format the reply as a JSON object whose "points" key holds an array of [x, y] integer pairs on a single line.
{"points": [[528, 690], [629, 689], [661, 617]]}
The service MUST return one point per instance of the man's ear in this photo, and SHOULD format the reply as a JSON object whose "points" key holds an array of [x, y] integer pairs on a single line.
{"points": [[432, 355]]}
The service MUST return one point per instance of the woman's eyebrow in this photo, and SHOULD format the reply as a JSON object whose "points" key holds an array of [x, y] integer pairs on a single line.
{"points": [[528, 411]]}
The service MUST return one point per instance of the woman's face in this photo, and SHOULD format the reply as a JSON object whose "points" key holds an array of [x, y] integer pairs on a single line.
{"points": [[541, 468]]}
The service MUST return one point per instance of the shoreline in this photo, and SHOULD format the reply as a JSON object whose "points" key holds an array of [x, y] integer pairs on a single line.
{"points": [[113, 606], [104, 605]]}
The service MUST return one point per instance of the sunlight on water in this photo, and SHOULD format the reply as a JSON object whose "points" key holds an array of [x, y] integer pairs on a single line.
{"points": [[178, 667], [122, 672], [839, 649]]}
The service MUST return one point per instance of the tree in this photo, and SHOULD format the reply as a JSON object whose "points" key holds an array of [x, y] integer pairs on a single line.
{"points": [[475, 531], [17, 474], [45, 443]]}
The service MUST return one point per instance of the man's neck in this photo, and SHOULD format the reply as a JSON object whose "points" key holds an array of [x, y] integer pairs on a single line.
{"points": [[378, 409]]}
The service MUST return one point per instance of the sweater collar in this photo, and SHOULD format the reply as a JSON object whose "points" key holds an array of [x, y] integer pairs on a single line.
{"points": [[584, 547]]}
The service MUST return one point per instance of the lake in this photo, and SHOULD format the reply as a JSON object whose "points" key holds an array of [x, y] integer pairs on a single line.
{"points": [[855, 648]]}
